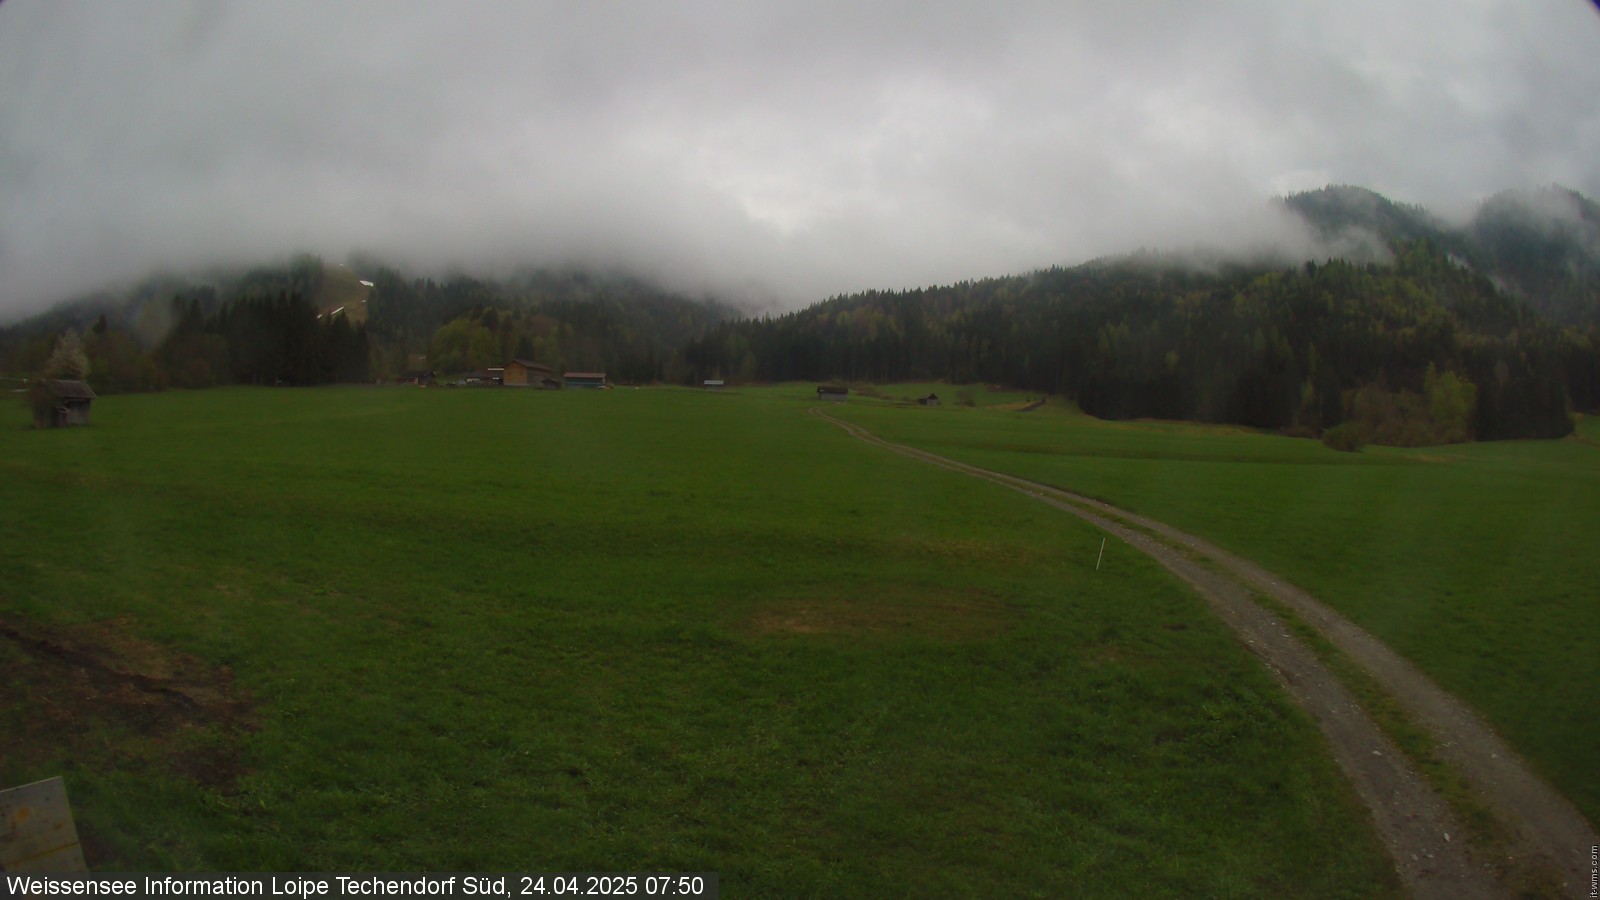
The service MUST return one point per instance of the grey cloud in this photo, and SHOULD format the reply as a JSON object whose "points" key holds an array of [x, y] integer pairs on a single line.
{"points": [[771, 149]]}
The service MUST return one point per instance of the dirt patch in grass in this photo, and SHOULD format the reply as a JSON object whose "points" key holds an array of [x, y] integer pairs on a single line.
{"points": [[942, 614], [98, 691]]}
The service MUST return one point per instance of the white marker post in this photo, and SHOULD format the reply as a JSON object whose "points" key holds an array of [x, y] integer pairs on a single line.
{"points": [[1101, 556]]}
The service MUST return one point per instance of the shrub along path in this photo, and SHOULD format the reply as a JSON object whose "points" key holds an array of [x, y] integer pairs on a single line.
{"points": [[1420, 830]]}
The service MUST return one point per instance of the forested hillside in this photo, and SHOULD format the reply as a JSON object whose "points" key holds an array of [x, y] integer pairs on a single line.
{"points": [[270, 326], [1437, 342], [1540, 246], [568, 319], [1418, 332]]}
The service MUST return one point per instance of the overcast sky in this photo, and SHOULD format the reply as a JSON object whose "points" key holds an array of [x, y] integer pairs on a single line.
{"points": [[782, 149]]}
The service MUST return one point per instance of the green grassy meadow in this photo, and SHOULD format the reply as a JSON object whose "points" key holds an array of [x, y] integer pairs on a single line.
{"points": [[1476, 561], [981, 395], [637, 629]]}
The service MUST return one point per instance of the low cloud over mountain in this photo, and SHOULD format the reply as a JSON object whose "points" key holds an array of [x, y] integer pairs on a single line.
{"points": [[772, 152]]}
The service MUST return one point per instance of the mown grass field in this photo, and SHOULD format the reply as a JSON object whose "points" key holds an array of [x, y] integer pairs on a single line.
{"points": [[656, 629], [342, 290], [1475, 561]]}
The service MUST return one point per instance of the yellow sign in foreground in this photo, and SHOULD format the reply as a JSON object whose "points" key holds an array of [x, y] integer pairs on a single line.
{"points": [[36, 830]]}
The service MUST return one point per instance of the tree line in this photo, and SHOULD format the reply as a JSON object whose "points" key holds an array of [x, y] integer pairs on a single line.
{"points": [[1302, 348], [264, 327], [1423, 348], [568, 320]]}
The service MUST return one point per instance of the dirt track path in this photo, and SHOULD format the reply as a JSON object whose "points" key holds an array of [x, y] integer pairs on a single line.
{"points": [[1416, 825]]}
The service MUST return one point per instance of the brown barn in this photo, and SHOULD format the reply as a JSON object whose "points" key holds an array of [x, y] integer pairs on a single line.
{"points": [[72, 402], [930, 400], [527, 373], [833, 392]]}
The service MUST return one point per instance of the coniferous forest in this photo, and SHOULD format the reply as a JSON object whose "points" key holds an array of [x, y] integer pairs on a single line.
{"points": [[1150, 337]]}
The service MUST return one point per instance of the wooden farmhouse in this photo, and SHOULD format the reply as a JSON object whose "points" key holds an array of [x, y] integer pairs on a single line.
{"points": [[527, 373], [930, 400], [593, 380], [72, 403], [833, 393]]}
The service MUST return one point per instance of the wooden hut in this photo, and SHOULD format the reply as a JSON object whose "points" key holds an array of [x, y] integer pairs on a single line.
{"points": [[584, 379], [72, 400]]}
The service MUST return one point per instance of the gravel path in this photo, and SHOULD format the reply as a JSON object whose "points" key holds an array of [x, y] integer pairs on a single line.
{"points": [[1416, 825]]}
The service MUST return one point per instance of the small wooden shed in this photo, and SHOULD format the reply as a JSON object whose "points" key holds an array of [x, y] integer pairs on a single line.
{"points": [[833, 393], [584, 379], [713, 384], [930, 400], [72, 403]]}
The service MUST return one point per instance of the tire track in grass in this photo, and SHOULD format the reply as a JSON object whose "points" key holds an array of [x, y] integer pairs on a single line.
{"points": [[1417, 826]]}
